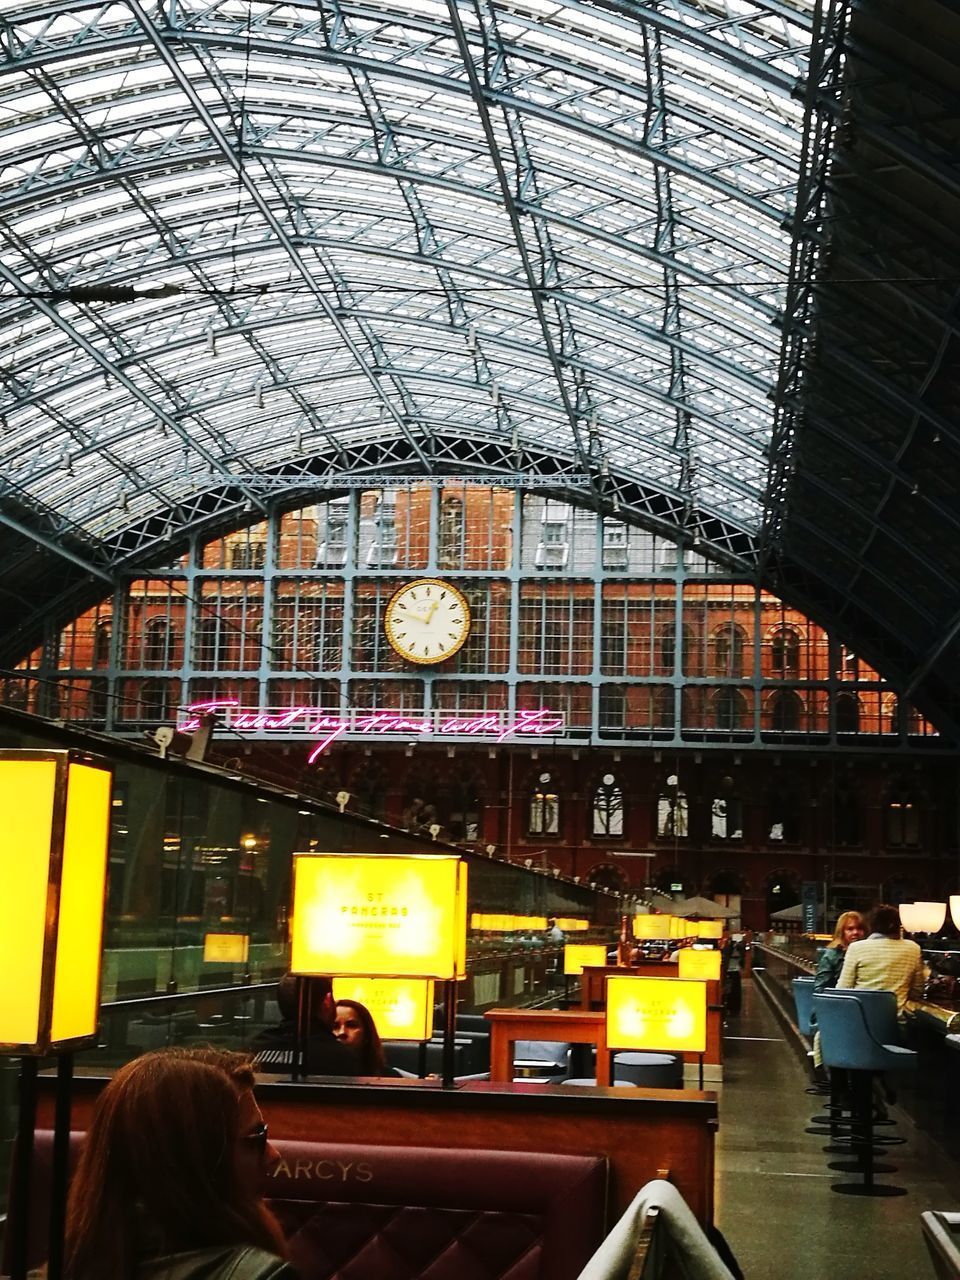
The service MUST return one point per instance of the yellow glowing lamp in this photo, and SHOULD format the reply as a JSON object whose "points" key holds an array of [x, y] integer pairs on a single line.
{"points": [[681, 928], [53, 869], [226, 948], [709, 928], [572, 924], [402, 1008], [699, 964], [378, 915], [578, 954], [652, 926], [656, 1014], [460, 936]]}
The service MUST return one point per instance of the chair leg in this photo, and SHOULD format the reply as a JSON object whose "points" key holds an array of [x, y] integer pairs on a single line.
{"points": [[861, 1083]]}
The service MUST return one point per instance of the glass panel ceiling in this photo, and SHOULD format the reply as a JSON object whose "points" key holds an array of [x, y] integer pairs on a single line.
{"points": [[393, 228]]}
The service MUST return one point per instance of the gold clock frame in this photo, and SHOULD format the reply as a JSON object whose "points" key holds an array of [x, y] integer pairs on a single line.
{"points": [[428, 582]]}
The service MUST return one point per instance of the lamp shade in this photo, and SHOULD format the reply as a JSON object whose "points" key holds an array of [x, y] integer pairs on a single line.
{"points": [[709, 928], [226, 948], [910, 917], [401, 1008], [651, 926], [53, 868], [378, 915], [955, 909], [578, 954], [656, 1014], [699, 964], [930, 916]]}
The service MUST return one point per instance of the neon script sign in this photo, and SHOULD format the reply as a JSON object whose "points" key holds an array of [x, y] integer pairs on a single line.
{"points": [[327, 727]]}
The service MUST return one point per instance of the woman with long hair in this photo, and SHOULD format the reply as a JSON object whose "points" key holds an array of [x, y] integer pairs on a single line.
{"points": [[169, 1182], [356, 1029], [850, 927]]}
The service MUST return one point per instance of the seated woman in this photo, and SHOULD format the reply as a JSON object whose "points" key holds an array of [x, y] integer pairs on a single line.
{"points": [[169, 1182], [356, 1029]]}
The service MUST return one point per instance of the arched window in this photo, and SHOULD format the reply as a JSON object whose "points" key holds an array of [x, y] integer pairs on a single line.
{"points": [[606, 809], [729, 644], [450, 539], [726, 817], [902, 819], [783, 818], [158, 647], [845, 816], [210, 653], [785, 710], [154, 700], [848, 713], [667, 649], [730, 710], [613, 707], [462, 804], [673, 811], [543, 815], [785, 653], [101, 644]]}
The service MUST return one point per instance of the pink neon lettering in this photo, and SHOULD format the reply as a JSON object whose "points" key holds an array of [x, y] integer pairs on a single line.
{"points": [[311, 720]]}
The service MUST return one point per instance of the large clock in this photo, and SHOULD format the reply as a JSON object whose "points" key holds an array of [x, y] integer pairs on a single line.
{"points": [[427, 621]]}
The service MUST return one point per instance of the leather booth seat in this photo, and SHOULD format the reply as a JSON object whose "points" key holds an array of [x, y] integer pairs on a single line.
{"points": [[365, 1212]]}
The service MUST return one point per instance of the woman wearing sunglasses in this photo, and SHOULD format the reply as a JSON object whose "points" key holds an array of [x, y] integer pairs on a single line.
{"points": [[170, 1180]]}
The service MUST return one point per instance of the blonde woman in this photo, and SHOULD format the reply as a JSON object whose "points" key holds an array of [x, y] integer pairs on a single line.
{"points": [[850, 927]]}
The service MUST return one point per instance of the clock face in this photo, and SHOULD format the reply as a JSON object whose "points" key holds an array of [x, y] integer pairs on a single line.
{"points": [[427, 621]]}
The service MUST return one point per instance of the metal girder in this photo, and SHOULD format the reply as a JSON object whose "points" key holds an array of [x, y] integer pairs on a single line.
{"points": [[823, 80], [300, 267], [578, 403]]}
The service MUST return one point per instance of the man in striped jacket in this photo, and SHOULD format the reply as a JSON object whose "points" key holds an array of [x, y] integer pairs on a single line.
{"points": [[884, 961]]}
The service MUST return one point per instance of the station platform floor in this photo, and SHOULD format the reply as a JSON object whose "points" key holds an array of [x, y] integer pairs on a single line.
{"points": [[773, 1197]]}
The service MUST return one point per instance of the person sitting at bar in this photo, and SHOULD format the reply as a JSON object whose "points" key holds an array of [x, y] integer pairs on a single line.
{"points": [[849, 928], [325, 1054], [884, 961], [356, 1029], [169, 1183]]}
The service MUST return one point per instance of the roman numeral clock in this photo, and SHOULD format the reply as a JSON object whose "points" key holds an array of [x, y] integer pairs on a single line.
{"points": [[427, 621]]}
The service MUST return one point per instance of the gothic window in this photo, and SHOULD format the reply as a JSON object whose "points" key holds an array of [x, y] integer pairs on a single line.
{"points": [[154, 700], [726, 818], [101, 644], [450, 539], [729, 643], [730, 710], [544, 807], [848, 713], [845, 813], [607, 808], [785, 709], [902, 819], [783, 818], [785, 653], [159, 643], [613, 707], [673, 811]]}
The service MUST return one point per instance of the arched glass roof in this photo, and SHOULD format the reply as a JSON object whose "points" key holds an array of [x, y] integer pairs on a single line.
{"points": [[329, 241]]}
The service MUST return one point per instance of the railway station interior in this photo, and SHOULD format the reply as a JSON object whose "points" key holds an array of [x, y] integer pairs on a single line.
{"points": [[510, 446]]}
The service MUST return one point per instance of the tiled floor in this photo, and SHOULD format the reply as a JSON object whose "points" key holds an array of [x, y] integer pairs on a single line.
{"points": [[774, 1202]]}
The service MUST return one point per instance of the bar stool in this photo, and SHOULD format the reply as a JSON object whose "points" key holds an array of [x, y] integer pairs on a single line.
{"points": [[803, 1002], [847, 1042]]}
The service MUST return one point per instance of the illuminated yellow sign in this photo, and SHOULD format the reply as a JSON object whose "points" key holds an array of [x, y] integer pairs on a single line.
{"points": [[571, 924], [53, 867], [709, 928], [578, 954], [226, 948], [681, 928], [699, 964], [652, 926], [656, 1014], [402, 1008], [378, 915]]}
